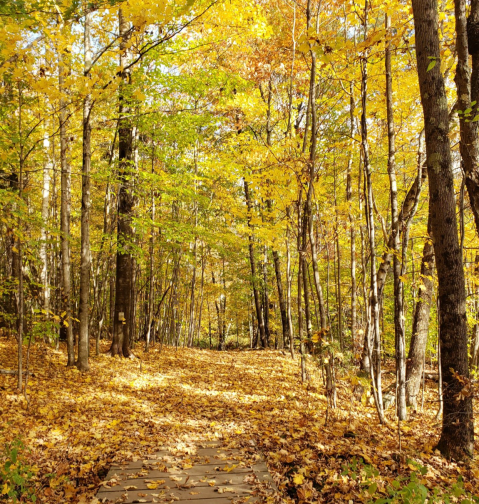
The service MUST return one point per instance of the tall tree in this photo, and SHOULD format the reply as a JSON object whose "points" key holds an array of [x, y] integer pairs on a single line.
{"points": [[457, 426], [85, 263], [126, 200]]}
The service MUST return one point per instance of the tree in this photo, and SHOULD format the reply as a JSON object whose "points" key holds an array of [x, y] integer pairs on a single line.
{"points": [[457, 427]]}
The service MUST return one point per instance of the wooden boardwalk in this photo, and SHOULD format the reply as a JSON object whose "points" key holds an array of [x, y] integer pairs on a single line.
{"points": [[205, 473]]}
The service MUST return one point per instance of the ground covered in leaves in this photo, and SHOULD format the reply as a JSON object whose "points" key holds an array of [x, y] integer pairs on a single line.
{"points": [[75, 426]]}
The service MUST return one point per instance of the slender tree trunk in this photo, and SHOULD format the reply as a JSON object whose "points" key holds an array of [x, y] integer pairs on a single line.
{"points": [[403, 215], [47, 169], [420, 327], [85, 265], [282, 303], [20, 299], [202, 283], [266, 296], [257, 301], [457, 435], [352, 232], [375, 348], [151, 290], [65, 216], [300, 315], [399, 326], [288, 283]]}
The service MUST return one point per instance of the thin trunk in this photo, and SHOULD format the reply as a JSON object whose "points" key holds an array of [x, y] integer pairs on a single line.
{"points": [[317, 280], [266, 296], [257, 301], [288, 283], [85, 265], [420, 327], [47, 169], [375, 348], [151, 290], [65, 216], [399, 326], [20, 300], [352, 232]]}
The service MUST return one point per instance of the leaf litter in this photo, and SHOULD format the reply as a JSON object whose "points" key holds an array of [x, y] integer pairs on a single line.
{"points": [[78, 425]]}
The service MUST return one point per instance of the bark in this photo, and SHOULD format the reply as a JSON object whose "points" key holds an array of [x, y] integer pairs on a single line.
{"points": [[282, 301], [47, 168], [151, 291], [352, 232], [457, 427], [475, 332], [20, 300], [123, 285], [65, 218], [399, 326], [265, 296], [257, 301], [302, 251], [420, 327], [375, 339], [403, 215], [469, 144], [85, 265], [339, 297], [288, 283]]}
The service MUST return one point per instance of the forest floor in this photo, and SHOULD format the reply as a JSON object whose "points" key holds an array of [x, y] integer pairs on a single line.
{"points": [[77, 425]]}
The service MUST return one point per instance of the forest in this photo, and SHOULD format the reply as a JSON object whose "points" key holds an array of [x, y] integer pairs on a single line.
{"points": [[248, 221]]}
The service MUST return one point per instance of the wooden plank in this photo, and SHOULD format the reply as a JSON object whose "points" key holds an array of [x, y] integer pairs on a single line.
{"points": [[219, 480], [217, 475]]}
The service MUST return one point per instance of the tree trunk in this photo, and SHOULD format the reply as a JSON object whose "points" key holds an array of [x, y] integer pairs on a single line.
{"points": [[352, 233], [420, 327], [47, 168], [65, 217], [469, 144], [85, 265], [282, 301], [375, 339], [457, 428], [123, 286], [288, 283], [399, 326], [475, 332], [257, 301], [266, 297], [403, 215]]}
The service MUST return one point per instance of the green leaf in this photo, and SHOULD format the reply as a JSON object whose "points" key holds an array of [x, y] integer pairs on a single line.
{"points": [[431, 65], [476, 118], [372, 488]]}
